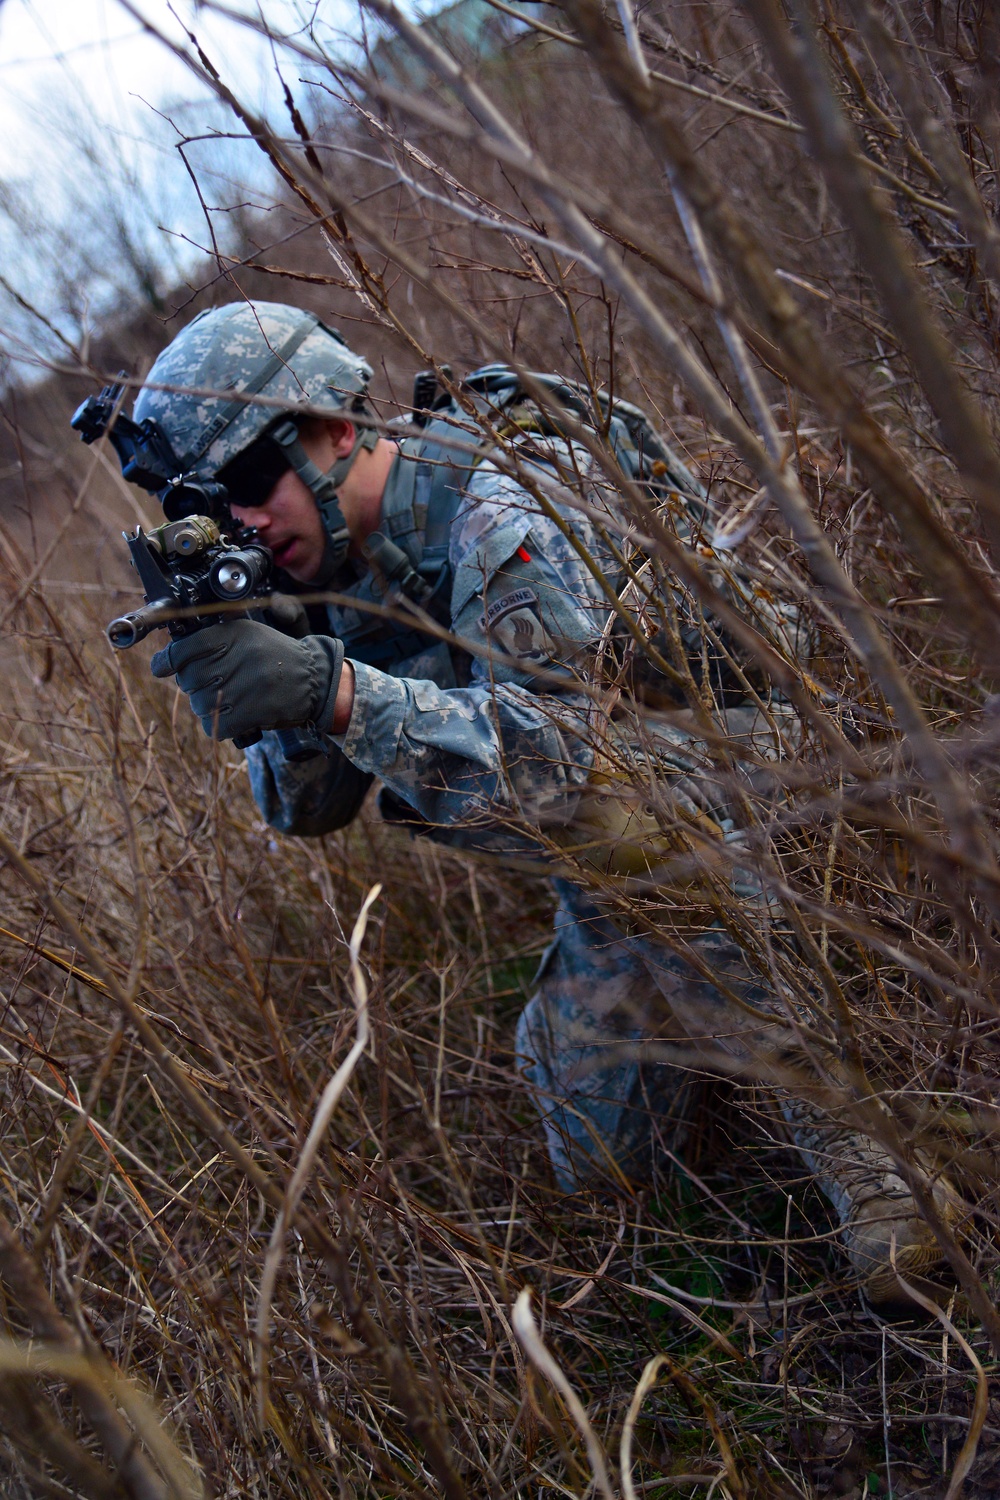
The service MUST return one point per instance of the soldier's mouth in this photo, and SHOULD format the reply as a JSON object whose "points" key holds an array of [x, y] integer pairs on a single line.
{"points": [[284, 552]]}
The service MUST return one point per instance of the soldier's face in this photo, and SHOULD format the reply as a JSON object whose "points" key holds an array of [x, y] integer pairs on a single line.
{"points": [[288, 521]]}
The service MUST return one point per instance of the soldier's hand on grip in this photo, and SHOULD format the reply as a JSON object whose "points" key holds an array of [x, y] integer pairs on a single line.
{"points": [[243, 677]]}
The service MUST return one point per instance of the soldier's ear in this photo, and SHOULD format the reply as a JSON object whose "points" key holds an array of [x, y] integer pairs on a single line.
{"points": [[342, 434], [326, 433]]}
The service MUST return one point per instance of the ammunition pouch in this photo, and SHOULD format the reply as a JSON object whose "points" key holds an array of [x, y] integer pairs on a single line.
{"points": [[654, 824], [647, 838]]}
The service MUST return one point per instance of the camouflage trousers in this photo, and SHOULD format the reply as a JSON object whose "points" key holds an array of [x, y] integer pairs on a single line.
{"points": [[600, 994]]}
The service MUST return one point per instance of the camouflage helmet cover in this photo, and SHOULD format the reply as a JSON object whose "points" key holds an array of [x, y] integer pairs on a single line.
{"points": [[226, 350]]}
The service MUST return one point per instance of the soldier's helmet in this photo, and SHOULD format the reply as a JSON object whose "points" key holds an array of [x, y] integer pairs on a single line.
{"points": [[235, 371]]}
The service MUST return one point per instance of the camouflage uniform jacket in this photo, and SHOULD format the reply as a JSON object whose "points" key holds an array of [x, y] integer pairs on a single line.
{"points": [[473, 736]]}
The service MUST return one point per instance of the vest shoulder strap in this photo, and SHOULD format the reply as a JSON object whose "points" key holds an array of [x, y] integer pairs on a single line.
{"points": [[444, 468]]}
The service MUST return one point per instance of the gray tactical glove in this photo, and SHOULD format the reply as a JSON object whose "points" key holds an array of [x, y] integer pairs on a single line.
{"points": [[243, 677]]}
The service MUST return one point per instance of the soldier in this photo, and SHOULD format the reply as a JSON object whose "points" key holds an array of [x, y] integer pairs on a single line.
{"points": [[485, 744]]}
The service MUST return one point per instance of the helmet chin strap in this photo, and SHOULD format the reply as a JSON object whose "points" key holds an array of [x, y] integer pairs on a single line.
{"points": [[324, 488]]}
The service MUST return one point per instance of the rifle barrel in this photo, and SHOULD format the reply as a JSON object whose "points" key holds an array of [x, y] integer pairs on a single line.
{"points": [[129, 629]]}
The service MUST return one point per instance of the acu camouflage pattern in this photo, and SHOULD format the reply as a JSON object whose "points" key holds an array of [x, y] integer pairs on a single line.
{"points": [[222, 351], [606, 1010], [476, 741], [480, 740], [469, 738]]}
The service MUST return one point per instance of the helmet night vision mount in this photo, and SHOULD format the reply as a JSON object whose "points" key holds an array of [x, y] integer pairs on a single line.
{"points": [[147, 457]]}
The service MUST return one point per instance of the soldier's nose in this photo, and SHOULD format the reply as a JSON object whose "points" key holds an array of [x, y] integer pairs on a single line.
{"points": [[252, 515]]}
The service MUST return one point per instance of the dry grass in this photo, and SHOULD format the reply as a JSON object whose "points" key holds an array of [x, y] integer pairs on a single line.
{"points": [[166, 1039]]}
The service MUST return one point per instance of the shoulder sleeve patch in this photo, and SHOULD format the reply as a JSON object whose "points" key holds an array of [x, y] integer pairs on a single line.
{"points": [[522, 637], [519, 599]]}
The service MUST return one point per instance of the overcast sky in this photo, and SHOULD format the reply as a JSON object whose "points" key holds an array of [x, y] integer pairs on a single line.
{"points": [[93, 53], [84, 92]]}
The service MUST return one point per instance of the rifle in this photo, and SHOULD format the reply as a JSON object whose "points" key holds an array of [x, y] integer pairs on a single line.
{"points": [[193, 562]]}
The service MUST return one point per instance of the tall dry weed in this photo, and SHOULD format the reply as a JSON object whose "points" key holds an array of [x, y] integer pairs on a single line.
{"points": [[775, 229]]}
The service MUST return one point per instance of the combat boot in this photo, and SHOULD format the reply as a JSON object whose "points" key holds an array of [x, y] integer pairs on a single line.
{"points": [[874, 1206]]}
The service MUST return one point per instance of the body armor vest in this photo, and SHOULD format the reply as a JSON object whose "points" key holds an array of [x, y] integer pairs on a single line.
{"points": [[422, 496]]}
